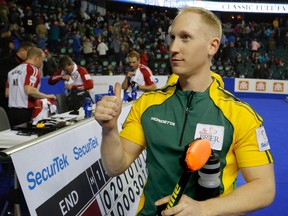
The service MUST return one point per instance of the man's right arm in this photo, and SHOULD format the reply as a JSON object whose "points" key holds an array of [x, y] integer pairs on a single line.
{"points": [[116, 153], [56, 77], [125, 83]]}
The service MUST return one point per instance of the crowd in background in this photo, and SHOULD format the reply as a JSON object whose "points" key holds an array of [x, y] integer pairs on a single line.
{"points": [[100, 43]]}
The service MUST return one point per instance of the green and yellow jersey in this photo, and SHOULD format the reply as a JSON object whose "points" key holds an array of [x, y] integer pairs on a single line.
{"points": [[166, 120], [173, 78]]}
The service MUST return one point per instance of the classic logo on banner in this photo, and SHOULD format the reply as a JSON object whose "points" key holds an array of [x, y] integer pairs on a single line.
{"points": [[63, 175]]}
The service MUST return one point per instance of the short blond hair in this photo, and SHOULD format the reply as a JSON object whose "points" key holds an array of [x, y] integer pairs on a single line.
{"points": [[133, 54], [35, 52], [209, 18]]}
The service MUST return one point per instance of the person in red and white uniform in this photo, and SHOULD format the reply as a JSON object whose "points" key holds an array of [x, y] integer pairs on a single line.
{"points": [[22, 87], [140, 76], [77, 82], [73, 75]]}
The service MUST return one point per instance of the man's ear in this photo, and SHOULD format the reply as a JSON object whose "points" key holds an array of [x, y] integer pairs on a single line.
{"points": [[214, 46]]}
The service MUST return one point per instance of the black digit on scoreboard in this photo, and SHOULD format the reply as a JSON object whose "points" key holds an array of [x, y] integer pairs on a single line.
{"points": [[120, 209], [139, 162], [140, 180], [99, 174], [137, 187], [144, 172], [131, 194], [119, 183], [125, 176], [126, 202], [114, 191], [135, 164], [131, 172], [107, 199]]}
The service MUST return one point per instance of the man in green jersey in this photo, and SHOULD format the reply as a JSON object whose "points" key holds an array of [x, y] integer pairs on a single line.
{"points": [[164, 121]]}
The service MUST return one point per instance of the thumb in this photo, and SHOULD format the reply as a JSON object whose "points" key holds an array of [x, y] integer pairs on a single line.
{"points": [[117, 90]]}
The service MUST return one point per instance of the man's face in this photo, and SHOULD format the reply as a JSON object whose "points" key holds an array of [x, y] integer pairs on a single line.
{"points": [[69, 69], [189, 44], [23, 53], [39, 61], [134, 63]]}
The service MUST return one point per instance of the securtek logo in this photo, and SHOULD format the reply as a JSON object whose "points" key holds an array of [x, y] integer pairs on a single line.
{"points": [[57, 165], [163, 121]]}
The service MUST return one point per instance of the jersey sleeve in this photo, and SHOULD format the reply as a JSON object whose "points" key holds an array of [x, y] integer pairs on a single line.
{"points": [[56, 77], [32, 76], [132, 127], [249, 140], [86, 78], [148, 76]]}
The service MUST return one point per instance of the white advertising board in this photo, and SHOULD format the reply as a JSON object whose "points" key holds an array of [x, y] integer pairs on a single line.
{"points": [[261, 86], [63, 175]]}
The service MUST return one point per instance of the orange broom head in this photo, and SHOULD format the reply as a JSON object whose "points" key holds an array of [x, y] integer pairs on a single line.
{"points": [[198, 154]]}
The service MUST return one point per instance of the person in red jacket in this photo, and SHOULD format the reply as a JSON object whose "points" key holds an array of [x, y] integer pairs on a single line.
{"points": [[77, 82], [74, 76]]}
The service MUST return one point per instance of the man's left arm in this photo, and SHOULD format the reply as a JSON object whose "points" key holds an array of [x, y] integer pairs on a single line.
{"points": [[86, 78], [257, 193], [35, 93]]}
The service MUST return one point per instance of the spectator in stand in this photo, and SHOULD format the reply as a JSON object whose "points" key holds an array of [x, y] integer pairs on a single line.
{"points": [[77, 46], [155, 48], [122, 55], [7, 64], [162, 48], [255, 45], [224, 40], [6, 44], [29, 21], [41, 33], [265, 71], [257, 74], [22, 87], [53, 36], [102, 50], [247, 61], [88, 48], [98, 30], [125, 24], [143, 56], [115, 46], [74, 76], [139, 76]]}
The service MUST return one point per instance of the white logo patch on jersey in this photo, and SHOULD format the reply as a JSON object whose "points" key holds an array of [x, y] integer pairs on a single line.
{"points": [[87, 77], [213, 133], [33, 79], [262, 139]]}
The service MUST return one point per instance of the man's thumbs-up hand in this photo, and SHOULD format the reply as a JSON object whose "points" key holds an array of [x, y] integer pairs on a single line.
{"points": [[109, 108]]}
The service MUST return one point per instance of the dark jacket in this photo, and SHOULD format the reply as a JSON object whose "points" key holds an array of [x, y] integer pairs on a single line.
{"points": [[7, 64]]}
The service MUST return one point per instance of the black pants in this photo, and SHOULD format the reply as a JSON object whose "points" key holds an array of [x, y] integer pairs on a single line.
{"points": [[19, 115]]}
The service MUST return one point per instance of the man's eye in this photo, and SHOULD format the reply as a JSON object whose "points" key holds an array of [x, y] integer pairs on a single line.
{"points": [[185, 37]]}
